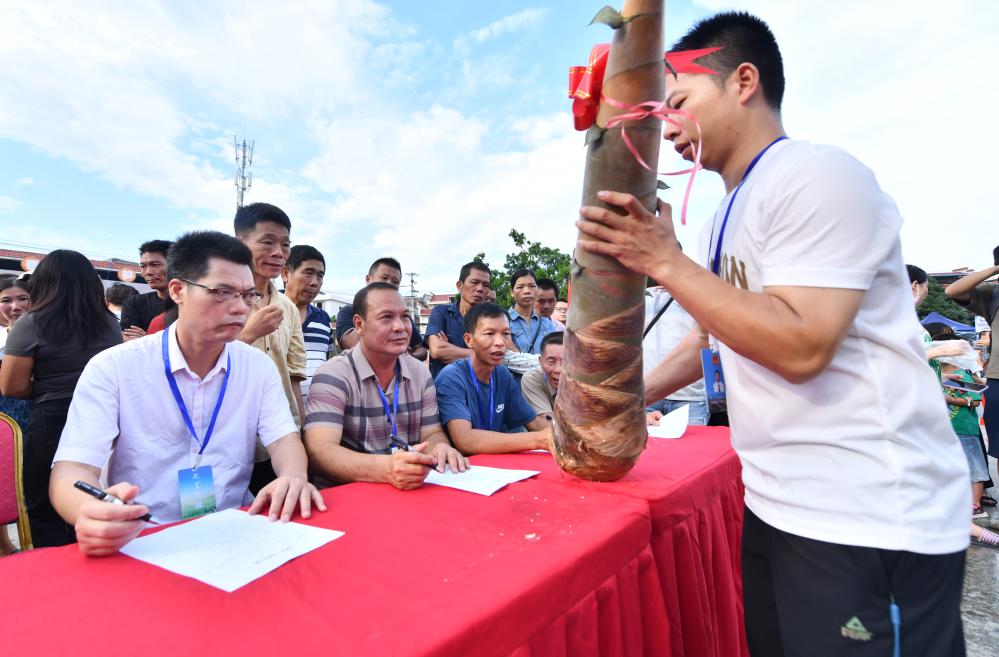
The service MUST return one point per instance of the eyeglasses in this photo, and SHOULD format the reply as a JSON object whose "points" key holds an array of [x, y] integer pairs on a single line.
{"points": [[224, 295]]}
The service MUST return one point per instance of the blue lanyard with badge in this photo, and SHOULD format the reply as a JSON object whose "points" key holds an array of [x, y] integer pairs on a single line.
{"points": [[714, 376], [478, 402], [197, 487], [393, 415]]}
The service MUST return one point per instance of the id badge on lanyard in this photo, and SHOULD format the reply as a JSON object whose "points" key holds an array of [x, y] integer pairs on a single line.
{"points": [[714, 379], [196, 484]]}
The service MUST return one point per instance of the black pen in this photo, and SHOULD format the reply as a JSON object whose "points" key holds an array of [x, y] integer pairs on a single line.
{"points": [[105, 496], [406, 448]]}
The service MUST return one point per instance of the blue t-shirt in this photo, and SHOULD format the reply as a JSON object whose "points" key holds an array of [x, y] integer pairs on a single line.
{"points": [[449, 320], [528, 335], [460, 396]]}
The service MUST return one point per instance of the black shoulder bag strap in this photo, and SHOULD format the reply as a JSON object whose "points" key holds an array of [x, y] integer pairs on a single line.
{"points": [[656, 318]]}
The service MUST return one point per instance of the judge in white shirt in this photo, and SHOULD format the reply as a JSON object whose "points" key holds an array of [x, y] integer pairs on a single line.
{"points": [[125, 410]]}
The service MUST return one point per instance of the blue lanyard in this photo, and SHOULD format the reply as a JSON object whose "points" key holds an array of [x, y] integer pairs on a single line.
{"points": [[478, 402], [180, 400], [716, 262], [394, 415]]}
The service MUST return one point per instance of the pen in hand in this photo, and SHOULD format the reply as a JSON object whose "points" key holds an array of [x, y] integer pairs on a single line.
{"points": [[404, 446], [104, 496]]}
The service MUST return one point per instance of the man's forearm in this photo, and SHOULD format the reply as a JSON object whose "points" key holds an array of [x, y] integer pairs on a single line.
{"points": [[348, 339], [960, 290], [762, 326], [480, 441], [449, 353], [345, 465], [64, 496], [680, 368], [288, 456]]}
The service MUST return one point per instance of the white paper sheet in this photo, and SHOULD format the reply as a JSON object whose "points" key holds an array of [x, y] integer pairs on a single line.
{"points": [[673, 424], [478, 478], [228, 549]]}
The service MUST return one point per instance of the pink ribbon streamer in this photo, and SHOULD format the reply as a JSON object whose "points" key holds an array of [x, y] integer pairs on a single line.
{"points": [[658, 110]]}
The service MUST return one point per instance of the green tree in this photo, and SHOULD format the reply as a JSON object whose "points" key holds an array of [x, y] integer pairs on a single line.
{"points": [[938, 301], [545, 261]]}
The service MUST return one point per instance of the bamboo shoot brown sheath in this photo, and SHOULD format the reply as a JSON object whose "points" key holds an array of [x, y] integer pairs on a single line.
{"points": [[599, 427]]}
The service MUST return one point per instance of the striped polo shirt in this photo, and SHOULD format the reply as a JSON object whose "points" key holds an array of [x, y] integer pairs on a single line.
{"points": [[318, 336], [344, 394]]}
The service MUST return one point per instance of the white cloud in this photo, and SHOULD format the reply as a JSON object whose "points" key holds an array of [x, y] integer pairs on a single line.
{"points": [[430, 187], [900, 85], [512, 23], [8, 204], [25, 181]]}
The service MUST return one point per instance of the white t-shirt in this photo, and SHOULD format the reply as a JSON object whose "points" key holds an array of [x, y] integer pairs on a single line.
{"points": [[672, 327], [123, 408], [864, 453]]}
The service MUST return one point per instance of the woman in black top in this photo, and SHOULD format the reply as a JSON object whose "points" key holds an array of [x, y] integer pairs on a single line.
{"points": [[45, 354]]}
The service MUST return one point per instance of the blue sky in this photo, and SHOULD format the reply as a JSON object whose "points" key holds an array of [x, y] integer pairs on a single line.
{"points": [[426, 130]]}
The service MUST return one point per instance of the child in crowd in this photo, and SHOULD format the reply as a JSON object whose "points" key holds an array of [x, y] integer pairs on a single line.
{"points": [[964, 418]]}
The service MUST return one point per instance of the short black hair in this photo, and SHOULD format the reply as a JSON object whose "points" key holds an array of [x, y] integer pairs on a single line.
{"points": [[189, 255], [995, 256], [248, 216], [467, 268], [486, 310], [302, 252], [554, 337], [742, 38], [156, 246], [548, 284], [940, 331], [388, 262], [361, 298], [521, 273], [117, 293], [916, 274]]}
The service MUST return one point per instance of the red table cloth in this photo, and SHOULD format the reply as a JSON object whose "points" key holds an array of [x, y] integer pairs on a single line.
{"points": [[693, 486], [549, 566]]}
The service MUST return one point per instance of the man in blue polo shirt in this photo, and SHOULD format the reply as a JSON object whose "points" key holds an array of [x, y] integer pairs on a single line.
{"points": [[528, 328], [446, 328], [480, 402]]}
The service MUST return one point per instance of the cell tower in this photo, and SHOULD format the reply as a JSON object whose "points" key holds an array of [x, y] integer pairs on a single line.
{"points": [[244, 160], [412, 296]]}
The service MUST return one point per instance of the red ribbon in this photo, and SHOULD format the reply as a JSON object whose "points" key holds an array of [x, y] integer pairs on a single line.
{"points": [[659, 110], [586, 82]]}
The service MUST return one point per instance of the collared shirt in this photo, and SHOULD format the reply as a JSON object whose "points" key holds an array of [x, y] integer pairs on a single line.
{"points": [[123, 409], [527, 335], [318, 335], [671, 327], [286, 347], [449, 320], [338, 398], [537, 391]]}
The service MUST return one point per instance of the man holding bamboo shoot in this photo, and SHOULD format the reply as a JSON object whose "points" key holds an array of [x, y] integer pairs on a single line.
{"points": [[856, 497]]}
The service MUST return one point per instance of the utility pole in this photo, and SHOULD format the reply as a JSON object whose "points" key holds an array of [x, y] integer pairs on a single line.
{"points": [[412, 296], [244, 159]]}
